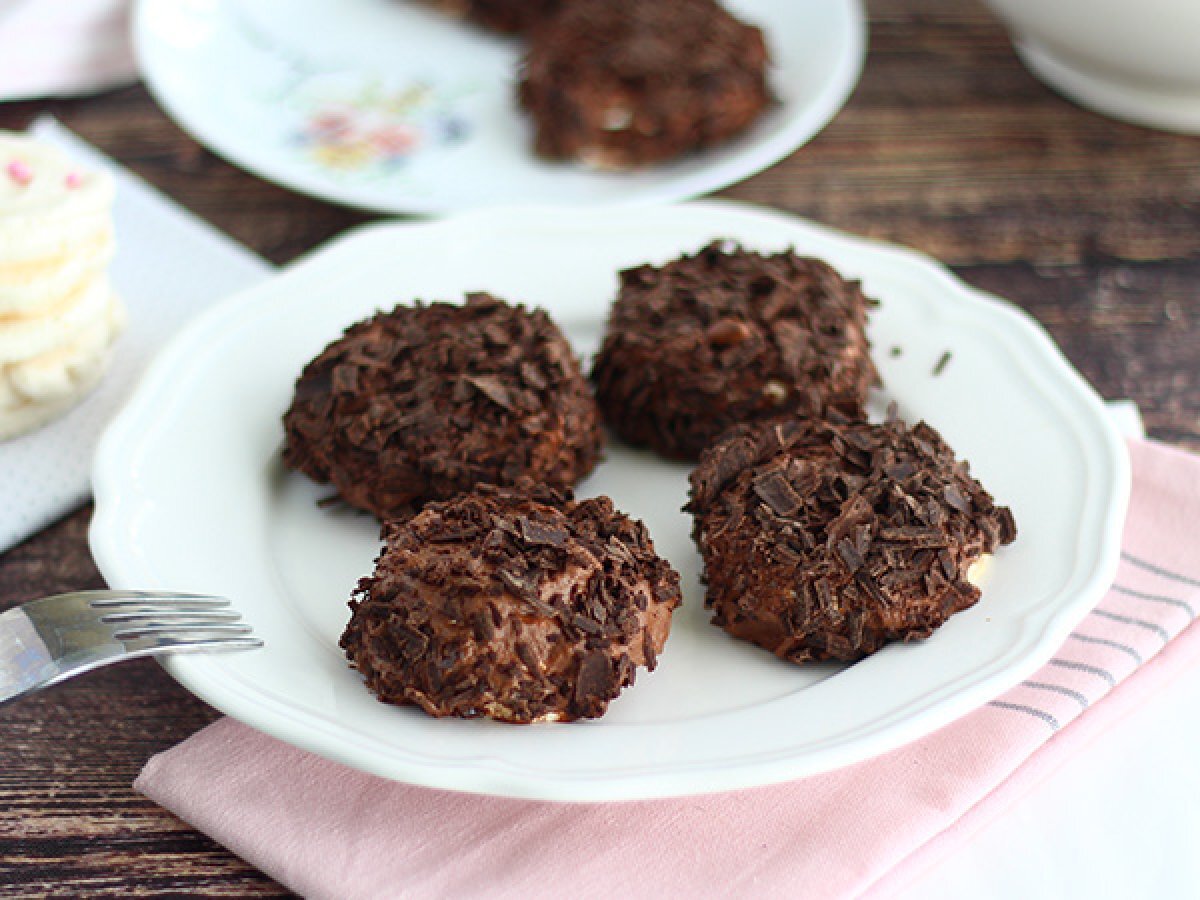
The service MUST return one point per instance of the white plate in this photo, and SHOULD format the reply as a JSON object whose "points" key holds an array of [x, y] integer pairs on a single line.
{"points": [[385, 105], [191, 494]]}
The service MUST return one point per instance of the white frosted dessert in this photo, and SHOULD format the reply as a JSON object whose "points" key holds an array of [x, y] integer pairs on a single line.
{"points": [[59, 316]]}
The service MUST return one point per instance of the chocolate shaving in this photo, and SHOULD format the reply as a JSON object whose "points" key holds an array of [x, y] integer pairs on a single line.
{"points": [[594, 683], [649, 652], [539, 533], [871, 586], [849, 555], [824, 593], [492, 388], [1007, 531], [540, 606], [732, 459], [527, 655], [532, 377], [777, 493], [949, 564], [481, 625], [955, 498], [517, 582], [914, 535], [506, 16], [583, 623]]}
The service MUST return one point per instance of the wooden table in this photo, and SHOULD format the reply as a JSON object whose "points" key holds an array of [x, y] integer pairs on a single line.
{"points": [[947, 145]]}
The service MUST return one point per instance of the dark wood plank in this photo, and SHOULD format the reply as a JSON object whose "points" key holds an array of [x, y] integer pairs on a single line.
{"points": [[1132, 329], [70, 824], [947, 145]]}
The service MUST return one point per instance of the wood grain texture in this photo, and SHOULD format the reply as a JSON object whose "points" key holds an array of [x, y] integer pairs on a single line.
{"points": [[947, 145]]}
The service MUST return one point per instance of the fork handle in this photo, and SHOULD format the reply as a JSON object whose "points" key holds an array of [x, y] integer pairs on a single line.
{"points": [[26, 664]]}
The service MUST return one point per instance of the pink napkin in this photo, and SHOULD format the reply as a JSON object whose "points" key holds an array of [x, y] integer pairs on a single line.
{"points": [[63, 47], [328, 831]]}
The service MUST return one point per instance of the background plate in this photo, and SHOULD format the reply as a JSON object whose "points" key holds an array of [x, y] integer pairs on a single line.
{"points": [[386, 105], [190, 494]]}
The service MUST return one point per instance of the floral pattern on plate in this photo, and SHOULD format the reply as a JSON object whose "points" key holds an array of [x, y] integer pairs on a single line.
{"points": [[383, 105], [371, 129]]}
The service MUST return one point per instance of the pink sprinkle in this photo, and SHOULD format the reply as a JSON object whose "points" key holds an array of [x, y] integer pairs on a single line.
{"points": [[19, 171], [74, 180]]}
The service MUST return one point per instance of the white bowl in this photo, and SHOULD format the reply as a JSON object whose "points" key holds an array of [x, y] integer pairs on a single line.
{"points": [[1136, 61]]}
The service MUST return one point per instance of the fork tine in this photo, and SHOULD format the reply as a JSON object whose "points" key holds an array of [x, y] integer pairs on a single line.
{"points": [[155, 643], [182, 630], [64, 635], [109, 594], [203, 613], [132, 599]]}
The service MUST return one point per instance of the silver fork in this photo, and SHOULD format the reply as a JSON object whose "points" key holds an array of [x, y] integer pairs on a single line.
{"points": [[47, 641]]}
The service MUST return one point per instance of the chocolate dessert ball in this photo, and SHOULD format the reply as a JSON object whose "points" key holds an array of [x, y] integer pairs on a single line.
{"points": [[427, 401], [828, 539], [622, 83], [729, 336], [517, 606]]}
